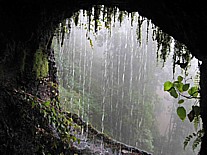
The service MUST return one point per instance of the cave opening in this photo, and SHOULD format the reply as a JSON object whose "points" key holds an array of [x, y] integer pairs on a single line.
{"points": [[28, 80], [111, 68]]}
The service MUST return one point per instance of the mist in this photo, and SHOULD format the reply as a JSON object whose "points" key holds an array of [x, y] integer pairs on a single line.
{"points": [[112, 73]]}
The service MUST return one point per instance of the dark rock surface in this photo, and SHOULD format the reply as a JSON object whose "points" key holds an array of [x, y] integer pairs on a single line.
{"points": [[185, 20]]}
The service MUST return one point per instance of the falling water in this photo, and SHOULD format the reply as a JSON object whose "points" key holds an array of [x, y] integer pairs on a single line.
{"points": [[111, 91], [108, 78], [131, 80], [90, 66], [73, 70], [80, 73]]}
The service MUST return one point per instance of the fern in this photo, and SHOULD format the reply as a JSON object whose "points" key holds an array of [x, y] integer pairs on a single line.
{"points": [[187, 140], [196, 142], [197, 79], [198, 139], [198, 136], [196, 122]]}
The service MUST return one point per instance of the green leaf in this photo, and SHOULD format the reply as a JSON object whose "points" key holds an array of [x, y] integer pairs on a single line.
{"points": [[186, 87], [168, 85], [193, 91], [180, 101], [173, 92], [196, 143], [180, 78], [47, 103], [196, 122], [179, 86], [191, 115], [181, 112], [33, 104], [196, 110], [187, 140]]}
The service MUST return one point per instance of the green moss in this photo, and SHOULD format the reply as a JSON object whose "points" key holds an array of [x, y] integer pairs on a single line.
{"points": [[40, 64]]}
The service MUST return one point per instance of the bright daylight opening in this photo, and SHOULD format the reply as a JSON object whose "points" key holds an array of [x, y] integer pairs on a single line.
{"points": [[112, 67]]}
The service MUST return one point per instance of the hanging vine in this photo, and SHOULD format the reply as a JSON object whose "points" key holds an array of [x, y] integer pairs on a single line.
{"points": [[99, 13]]}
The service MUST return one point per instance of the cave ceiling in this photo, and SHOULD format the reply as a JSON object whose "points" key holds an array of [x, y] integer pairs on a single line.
{"points": [[185, 20]]}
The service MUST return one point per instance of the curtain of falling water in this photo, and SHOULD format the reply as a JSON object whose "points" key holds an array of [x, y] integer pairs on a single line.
{"points": [[111, 90], [108, 78], [108, 81], [130, 83], [90, 66], [73, 54]]}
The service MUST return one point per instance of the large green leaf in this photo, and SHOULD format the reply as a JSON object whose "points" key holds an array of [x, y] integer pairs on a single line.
{"points": [[181, 112], [186, 87], [193, 91], [168, 85], [173, 92]]}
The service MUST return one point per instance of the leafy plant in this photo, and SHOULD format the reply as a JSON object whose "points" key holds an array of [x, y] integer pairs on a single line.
{"points": [[178, 89], [197, 139], [182, 91], [58, 120]]}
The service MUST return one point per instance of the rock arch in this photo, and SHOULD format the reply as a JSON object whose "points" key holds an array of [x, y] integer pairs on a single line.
{"points": [[28, 26]]}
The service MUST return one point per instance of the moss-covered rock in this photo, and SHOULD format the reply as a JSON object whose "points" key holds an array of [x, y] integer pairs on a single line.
{"points": [[41, 64]]}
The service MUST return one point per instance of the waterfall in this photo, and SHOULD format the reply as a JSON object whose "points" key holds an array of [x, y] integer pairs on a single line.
{"points": [[109, 77]]}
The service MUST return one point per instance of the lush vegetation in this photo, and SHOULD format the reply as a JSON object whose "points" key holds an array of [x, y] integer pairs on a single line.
{"points": [[38, 124]]}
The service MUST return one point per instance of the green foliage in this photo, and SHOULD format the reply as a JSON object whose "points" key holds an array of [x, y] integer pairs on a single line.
{"points": [[163, 44], [197, 139], [57, 119], [187, 140], [186, 87], [196, 122], [193, 91], [181, 56], [73, 100], [40, 64], [196, 110], [178, 89], [173, 92], [181, 101], [181, 112], [168, 85], [180, 78]]}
